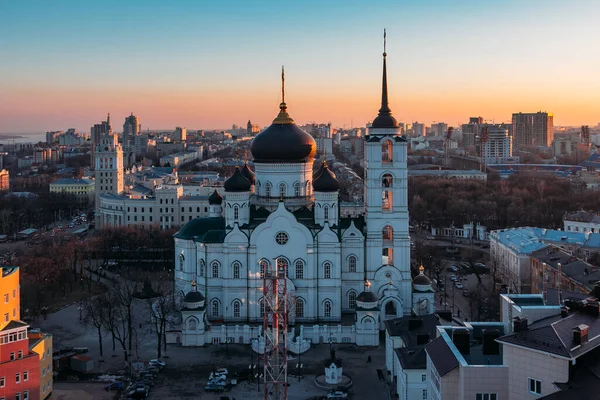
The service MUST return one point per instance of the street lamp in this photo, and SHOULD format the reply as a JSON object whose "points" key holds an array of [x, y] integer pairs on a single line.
{"points": [[226, 338], [299, 368]]}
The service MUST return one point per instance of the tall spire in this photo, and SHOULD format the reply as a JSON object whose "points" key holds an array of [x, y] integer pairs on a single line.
{"points": [[283, 117], [384, 119]]}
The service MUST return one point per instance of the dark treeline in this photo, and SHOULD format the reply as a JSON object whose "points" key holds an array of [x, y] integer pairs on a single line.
{"points": [[524, 199]]}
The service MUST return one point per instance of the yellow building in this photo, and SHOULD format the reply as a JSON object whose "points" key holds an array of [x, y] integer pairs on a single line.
{"points": [[41, 344], [83, 189], [9, 290], [4, 180]]}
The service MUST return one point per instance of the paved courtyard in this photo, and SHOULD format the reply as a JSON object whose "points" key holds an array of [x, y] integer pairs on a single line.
{"points": [[188, 368]]}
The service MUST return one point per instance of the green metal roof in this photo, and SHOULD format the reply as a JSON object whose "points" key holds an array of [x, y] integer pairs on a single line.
{"points": [[199, 227]]}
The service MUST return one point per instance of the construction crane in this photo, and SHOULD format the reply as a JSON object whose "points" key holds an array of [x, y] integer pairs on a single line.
{"points": [[275, 330]]}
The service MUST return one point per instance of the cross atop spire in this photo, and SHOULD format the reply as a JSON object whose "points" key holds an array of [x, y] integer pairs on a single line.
{"points": [[282, 84], [384, 119], [283, 117]]}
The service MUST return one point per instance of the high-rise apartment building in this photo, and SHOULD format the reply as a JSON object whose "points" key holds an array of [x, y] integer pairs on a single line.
{"points": [[439, 129], [131, 132], [418, 129], [532, 129], [180, 134], [498, 146], [96, 132]]}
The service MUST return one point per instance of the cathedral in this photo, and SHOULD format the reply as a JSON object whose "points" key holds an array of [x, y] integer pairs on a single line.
{"points": [[353, 272]]}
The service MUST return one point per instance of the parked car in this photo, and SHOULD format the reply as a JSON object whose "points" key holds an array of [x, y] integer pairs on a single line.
{"points": [[459, 285], [429, 237], [157, 363], [454, 268], [222, 371], [337, 394], [453, 278], [116, 385], [466, 293]]}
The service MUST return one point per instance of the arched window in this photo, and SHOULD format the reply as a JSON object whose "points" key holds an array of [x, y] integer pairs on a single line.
{"points": [[327, 309], [264, 266], [352, 300], [282, 267], [326, 212], [214, 309], [387, 181], [299, 308], [282, 189], [237, 307], [387, 233], [202, 265], [327, 270], [268, 188], [236, 270], [181, 261], [257, 186], [386, 151], [192, 324], [236, 213], [308, 188], [299, 269], [261, 303], [352, 264], [215, 269], [297, 189]]}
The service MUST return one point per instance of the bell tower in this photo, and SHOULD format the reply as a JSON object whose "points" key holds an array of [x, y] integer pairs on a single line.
{"points": [[386, 200]]}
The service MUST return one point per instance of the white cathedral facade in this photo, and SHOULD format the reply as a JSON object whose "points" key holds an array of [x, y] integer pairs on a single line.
{"points": [[344, 276]]}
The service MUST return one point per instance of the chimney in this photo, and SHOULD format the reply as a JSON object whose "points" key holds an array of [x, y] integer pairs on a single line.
{"points": [[414, 323], [520, 324], [422, 338], [490, 346], [462, 340], [580, 334]]}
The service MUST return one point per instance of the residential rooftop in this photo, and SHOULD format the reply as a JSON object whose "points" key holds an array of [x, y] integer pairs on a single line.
{"points": [[73, 181], [571, 266], [526, 240]]}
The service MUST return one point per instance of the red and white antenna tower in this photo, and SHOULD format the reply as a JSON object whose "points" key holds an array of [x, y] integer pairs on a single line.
{"points": [[275, 331]]}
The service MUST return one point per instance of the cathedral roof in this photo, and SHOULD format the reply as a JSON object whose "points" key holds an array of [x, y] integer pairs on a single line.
{"points": [[367, 297], [248, 173], [283, 141], [198, 228], [215, 198], [193, 297], [326, 181], [237, 182], [421, 280]]}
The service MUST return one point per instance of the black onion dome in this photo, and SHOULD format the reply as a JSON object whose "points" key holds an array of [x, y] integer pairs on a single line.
{"points": [[215, 198], [193, 297], [248, 174], [421, 280], [367, 297], [283, 141], [326, 181], [237, 182], [319, 171], [384, 121]]}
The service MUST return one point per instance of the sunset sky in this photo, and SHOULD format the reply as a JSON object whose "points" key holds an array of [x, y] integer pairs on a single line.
{"points": [[210, 64]]}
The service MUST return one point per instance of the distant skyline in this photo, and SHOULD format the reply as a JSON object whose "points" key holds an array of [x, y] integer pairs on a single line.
{"points": [[204, 64]]}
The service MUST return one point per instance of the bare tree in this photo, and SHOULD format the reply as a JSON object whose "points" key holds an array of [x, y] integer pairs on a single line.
{"points": [[93, 309], [160, 308]]}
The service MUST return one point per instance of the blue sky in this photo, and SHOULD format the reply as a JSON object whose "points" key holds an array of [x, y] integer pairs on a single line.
{"points": [[206, 64]]}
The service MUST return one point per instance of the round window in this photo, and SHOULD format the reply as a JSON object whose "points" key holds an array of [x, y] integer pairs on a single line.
{"points": [[281, 238], [388, 274]]}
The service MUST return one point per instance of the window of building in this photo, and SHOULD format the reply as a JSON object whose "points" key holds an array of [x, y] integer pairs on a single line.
{"points": [[190, 209], [6, 298], [299, 269], [215, 269], [297, 189], [352, 264], [326, 213], [424, 394], [182, 218], [6, 317], [299, 308], [181, 262], [192, 324], [264, 265], [237, 309], [134, 209], [18, 377], [14, 293], [268, 188], [387, 181], [327, 309], [352, 300], [261, 303], [201, 262], [12, 354], [20, 354], [135, 217], [2, 382], [327, 270], [535, 386], [282, 189], [236, 270], [18, 396], [26, 376], [281, 237], [486, 396], [423, 378], [236, 213], [282, 267], [386, 151], [182, 209], [215, 308], [26, 395]]}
